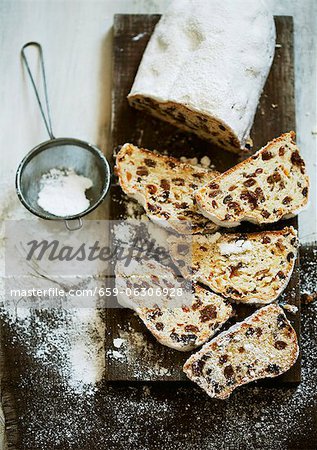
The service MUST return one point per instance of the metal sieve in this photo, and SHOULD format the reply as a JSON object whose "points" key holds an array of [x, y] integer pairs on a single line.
{"points": [[61, 153]]}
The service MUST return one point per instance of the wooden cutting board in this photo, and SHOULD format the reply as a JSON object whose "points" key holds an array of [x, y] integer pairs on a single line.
{"points": [[140, 357]]}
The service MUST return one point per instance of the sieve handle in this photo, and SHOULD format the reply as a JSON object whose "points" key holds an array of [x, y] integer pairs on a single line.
{"points": [[77, 227], [45, 114]]}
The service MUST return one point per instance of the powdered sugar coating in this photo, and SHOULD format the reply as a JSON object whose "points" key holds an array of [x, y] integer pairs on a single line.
{"points": [[210, 57]]}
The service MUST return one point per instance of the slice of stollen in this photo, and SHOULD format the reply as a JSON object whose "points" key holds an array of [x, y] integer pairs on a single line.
{"points": [[165, 187], [267, 187], [264, 345], [247, 268], [183, 322]]}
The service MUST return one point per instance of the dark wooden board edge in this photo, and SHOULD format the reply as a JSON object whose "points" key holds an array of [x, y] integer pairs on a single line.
{"points": [[276, 114]]}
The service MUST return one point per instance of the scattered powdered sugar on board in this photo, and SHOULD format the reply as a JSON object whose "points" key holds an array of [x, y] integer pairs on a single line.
{"points": [[160, 415], [10, 209], [54, 406], [309, 274], [133, 209], [138, 353], [62, 192], [68, 341], [139, 36], [55, 367]]}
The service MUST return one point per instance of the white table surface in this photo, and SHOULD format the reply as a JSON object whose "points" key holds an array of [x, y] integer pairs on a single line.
{"points": [[76, 37]]}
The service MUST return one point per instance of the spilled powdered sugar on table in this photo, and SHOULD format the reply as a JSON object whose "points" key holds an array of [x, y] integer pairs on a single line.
{"points": [[99, 415], [133, 348], [60, 394]]}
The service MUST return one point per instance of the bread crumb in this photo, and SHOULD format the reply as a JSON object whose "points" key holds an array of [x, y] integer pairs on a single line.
{"points": [[191, 161], [139, 36], [118, 342], [205, 161], [146, 391], [114, 354], [291, 308]]}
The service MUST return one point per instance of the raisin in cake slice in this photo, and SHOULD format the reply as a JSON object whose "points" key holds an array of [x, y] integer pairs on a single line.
{"points": [[184, 322], [247, 268], [264, 345], [269, 186], [202, 74], [165, 187]]}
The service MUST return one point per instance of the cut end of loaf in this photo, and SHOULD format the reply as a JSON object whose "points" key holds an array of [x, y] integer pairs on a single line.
{"points": [[200, 72], [206, 127]]}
